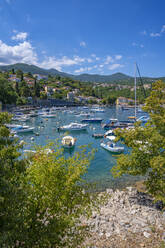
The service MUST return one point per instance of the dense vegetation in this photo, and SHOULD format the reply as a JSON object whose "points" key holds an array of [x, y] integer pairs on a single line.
{"points": [[41, 198], [18, 92], [147, 155]]}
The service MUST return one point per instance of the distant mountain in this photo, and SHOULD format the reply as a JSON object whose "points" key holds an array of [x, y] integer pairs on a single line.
{"points": [[103, 78], [116, 77], [33, 69]]}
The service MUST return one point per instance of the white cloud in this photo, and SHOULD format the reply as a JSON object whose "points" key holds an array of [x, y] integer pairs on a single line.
{"points": [[137, 45], [163, 29], [79, 59], [158, 34], [93, 55], [108, 60], [118, 57], [101, 66], [82, 44], [80, 70], [19, 36], [21, 53], [115, 66], [52, 62], [155, 34], [89, 60], [85, 69]]}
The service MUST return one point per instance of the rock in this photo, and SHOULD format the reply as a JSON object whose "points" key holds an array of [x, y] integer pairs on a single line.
{"points": [[108, 235], [126, 212], [146, 234]]}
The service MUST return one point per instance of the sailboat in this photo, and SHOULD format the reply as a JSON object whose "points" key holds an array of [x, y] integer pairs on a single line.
{"points": [[142, 118]]}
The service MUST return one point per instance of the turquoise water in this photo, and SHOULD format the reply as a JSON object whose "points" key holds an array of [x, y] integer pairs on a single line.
{"points": [[99, 170]]}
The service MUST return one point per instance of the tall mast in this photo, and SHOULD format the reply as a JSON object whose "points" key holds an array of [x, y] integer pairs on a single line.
{"points": [[135, 88]]}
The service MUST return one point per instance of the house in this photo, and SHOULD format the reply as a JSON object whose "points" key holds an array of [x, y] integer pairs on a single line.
{"points": [[29, 81], [39, 77], [124, 101], [70, 96], [14, 79]]}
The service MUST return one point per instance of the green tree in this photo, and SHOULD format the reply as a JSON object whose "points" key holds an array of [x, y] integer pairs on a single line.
{"points": [[11, 170], [21, 101], [24, 89], [42, 197], [7, 93], [55, 200], [147, 154], [19, 74]]}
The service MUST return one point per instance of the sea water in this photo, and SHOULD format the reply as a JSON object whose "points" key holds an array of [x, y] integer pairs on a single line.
{"points": [[99, 171]]}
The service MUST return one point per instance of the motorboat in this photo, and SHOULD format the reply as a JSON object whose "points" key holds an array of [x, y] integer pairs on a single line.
{"points": [[109, 133], [23, 129], [68, 142], [98, 135], [73, 127], [112, 147], [48, 116], [143, 118], [114, 123], [22, 118], [98, 110], [92, 120]]}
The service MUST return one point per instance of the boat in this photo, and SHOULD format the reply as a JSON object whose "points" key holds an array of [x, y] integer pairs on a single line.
{"points": [[22, 118], [114, 123], [98, 135], [112, 147], [73, 127], [92, 120], [109, 133], [68, 142], [48, 116], [143, 118], [97, 110], [23, 129]]}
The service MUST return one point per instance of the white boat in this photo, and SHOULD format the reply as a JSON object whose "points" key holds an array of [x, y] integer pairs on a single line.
{"points": [[48, 116], [109, 133], [74, 127], [68, 141], [21, 118], [98, 110], [112, 147], [143, 118], [23, 129]]}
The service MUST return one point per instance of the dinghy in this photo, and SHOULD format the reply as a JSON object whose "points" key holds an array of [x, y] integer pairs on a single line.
{"points": [[68, 141], [112, 147]]}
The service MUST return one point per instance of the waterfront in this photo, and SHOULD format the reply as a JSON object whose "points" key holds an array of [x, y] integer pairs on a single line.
{"points": [[99, 170]]}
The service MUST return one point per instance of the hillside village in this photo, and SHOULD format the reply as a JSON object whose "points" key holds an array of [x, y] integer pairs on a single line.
{"points": [[27, 87]]}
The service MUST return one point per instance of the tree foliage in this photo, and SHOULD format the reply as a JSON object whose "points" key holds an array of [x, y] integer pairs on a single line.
{"points": [[147, 154], [42, 197]]}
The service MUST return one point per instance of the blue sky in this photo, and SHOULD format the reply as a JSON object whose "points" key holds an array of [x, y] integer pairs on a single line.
{"points": [[84, 36]]}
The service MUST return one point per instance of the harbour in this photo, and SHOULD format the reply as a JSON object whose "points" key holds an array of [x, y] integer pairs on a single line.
{"points": [[43, 130]]}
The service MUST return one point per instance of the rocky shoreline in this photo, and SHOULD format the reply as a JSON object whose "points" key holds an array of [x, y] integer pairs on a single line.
{"points": [[128, 218]]}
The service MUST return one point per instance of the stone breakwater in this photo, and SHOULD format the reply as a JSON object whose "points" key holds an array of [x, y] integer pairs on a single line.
{"points": [[126, 213]]}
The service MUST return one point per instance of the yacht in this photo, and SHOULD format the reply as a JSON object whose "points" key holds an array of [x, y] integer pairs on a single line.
{"points": [[74, 127]]}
